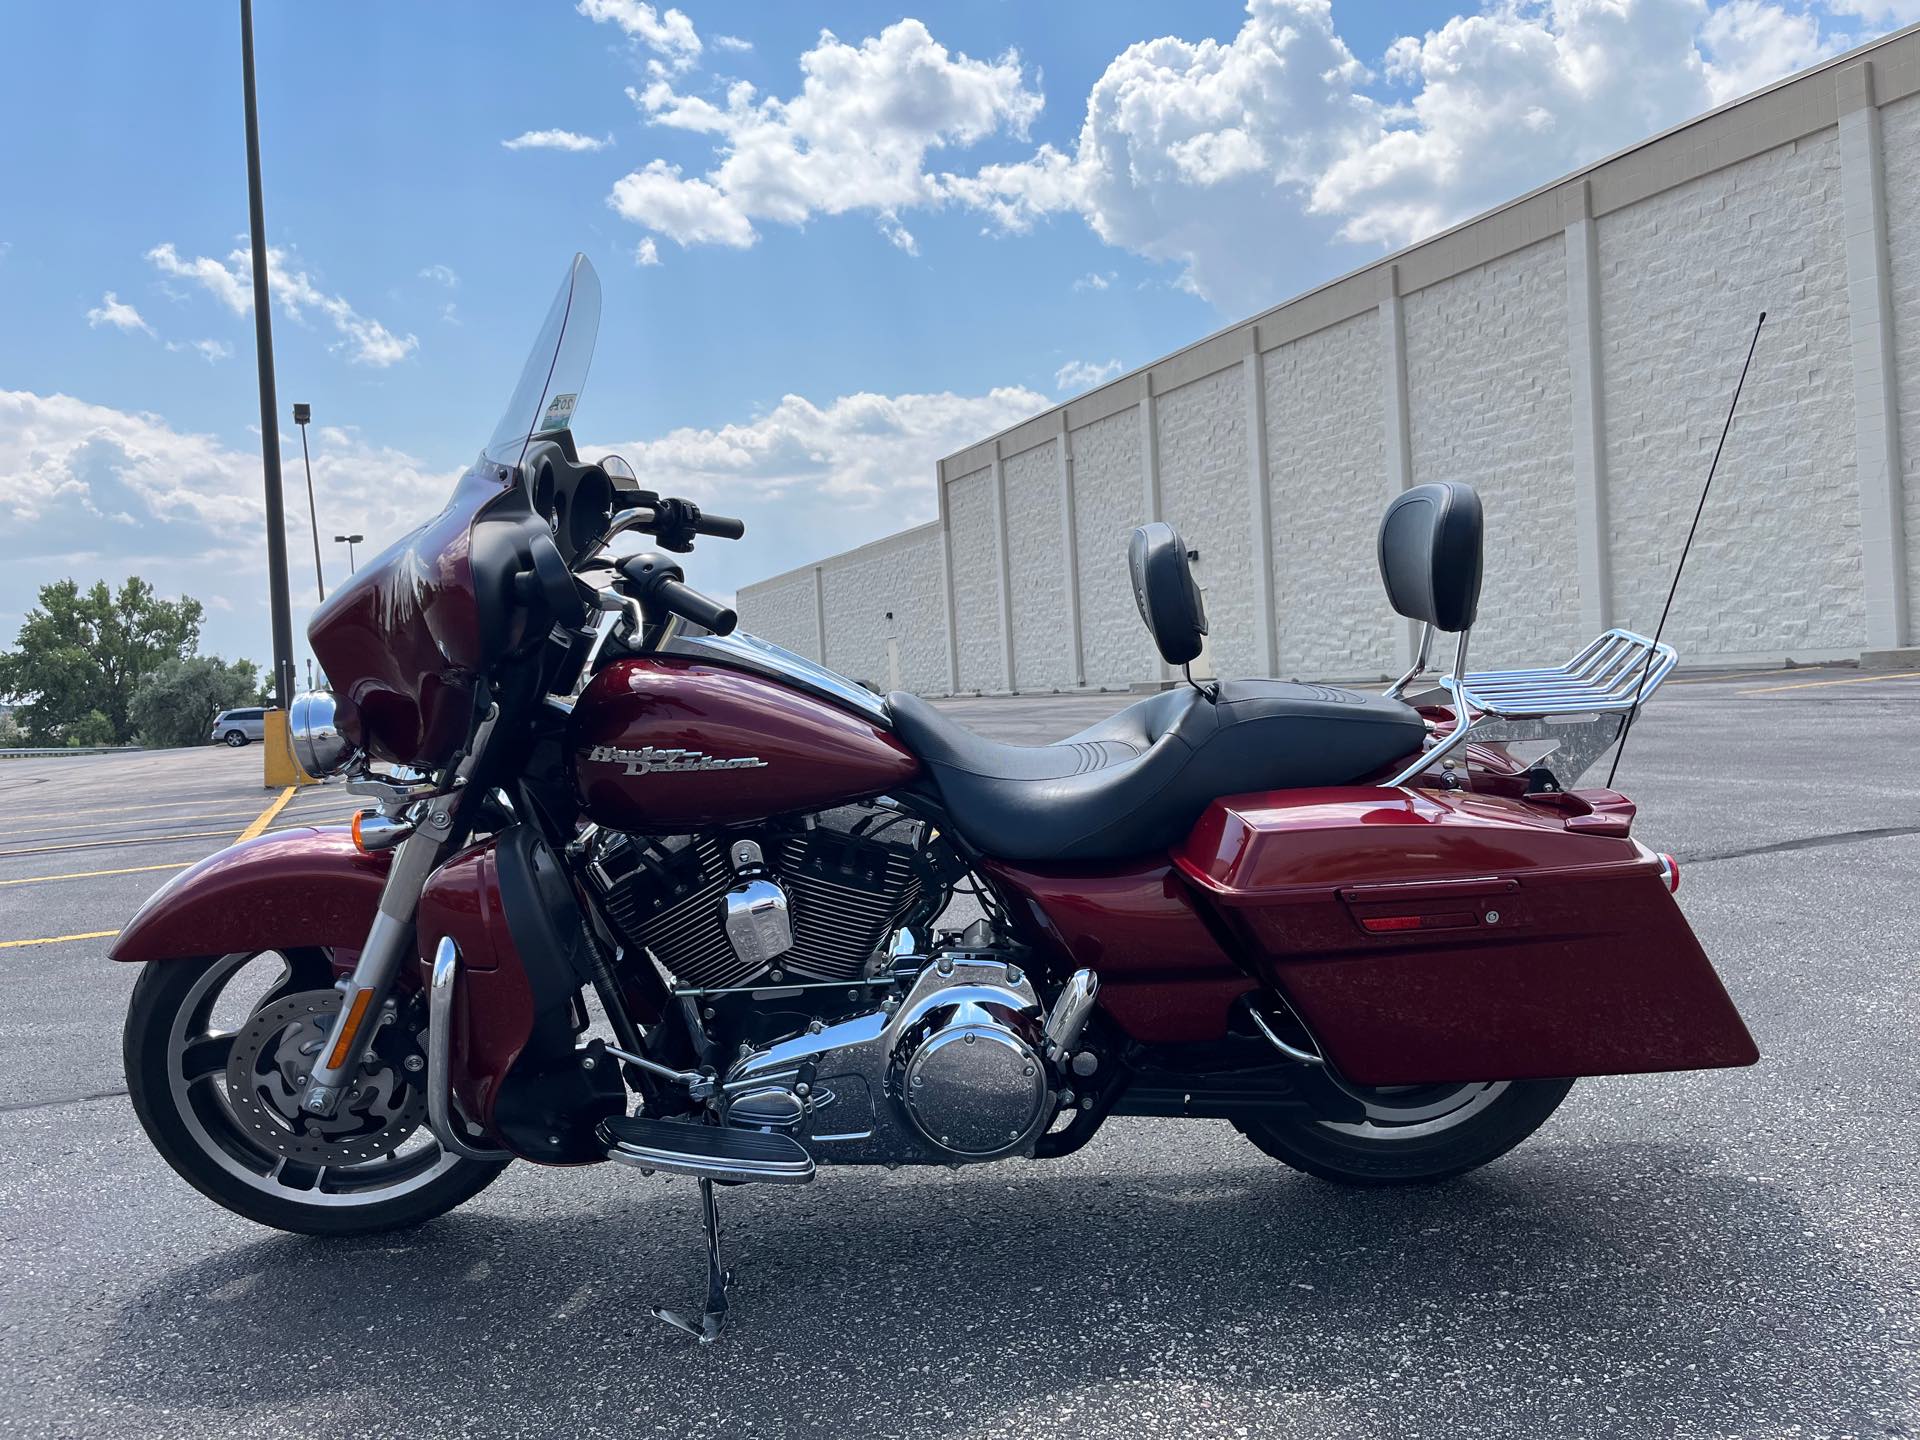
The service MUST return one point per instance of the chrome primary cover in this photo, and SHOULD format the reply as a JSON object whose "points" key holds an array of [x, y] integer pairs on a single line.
{"points": [[951, 1073]]}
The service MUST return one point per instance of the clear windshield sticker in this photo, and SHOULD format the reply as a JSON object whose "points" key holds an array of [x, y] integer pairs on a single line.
{"points": [[559, 413]]}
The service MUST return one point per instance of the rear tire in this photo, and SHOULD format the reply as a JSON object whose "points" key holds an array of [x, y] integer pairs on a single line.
{"points": [[182, 1095], [235, 738], [1412, 1135]]}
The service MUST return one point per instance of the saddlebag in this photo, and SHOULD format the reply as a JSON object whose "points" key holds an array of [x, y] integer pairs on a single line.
{"points": [[1425, 936]]}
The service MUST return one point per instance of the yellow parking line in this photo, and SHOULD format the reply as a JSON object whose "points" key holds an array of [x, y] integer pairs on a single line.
{"points": [[91, 874], [265, 817], [60, 939], [1822, 684], [70, 811], [113, 842]]}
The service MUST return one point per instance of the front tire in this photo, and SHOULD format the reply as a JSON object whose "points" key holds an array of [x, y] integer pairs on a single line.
{"points": [[217, 1122], [235, 739], [1411, 1135]]}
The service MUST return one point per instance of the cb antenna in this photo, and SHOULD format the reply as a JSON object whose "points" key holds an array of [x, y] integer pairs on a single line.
{"points": [[1674, 589]]}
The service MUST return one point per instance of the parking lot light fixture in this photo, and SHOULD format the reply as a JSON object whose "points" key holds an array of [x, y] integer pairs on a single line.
{"points": [[349, 541]]}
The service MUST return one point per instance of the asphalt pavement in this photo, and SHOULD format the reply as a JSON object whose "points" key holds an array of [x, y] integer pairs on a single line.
{"points": [[1733, 1253]]}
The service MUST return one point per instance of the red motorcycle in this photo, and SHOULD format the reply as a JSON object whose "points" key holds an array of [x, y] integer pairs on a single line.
{"points": [[1379, 933]]}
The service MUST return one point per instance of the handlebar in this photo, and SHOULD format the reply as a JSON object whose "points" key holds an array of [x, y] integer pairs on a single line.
{"points": [[673, 522], [655, 581], [690, 604]]}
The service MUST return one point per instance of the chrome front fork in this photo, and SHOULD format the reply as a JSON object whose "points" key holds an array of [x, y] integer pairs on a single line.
{"points": [[390, 943]]}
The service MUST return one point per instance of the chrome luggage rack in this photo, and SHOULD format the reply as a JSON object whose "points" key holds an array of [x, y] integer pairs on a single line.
{"points": [[1581, 706]]}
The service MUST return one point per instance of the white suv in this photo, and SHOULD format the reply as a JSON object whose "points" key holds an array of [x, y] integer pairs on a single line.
{"points": [[237, 727]]}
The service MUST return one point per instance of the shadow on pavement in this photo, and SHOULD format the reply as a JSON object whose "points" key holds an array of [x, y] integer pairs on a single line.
{"points": [[1629, 1289]]}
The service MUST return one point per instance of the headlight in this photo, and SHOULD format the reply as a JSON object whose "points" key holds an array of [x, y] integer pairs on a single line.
{"points": [[317, 742]]}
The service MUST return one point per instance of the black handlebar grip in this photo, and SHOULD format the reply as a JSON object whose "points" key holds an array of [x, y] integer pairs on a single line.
{"points": [[690, 604], [721, 527]]}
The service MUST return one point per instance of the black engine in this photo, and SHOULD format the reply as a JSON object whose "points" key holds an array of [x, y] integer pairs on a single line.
{"points": [[789, 902]]}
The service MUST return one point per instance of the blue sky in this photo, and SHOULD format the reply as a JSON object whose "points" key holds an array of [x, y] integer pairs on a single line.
{"points": [[914, 227]]}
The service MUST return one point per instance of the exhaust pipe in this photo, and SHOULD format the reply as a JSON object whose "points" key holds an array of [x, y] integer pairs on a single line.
{"points": [[1069, 1015]]}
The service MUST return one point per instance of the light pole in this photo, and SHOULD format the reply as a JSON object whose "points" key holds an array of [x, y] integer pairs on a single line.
{"points": [[349, 541], [279, 608], [301, 415]]}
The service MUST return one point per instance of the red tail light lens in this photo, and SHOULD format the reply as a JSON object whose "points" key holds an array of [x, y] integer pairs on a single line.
{"points": [[1670, 872]]}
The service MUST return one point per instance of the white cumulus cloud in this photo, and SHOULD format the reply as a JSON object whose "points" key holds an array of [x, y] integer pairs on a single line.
{"points": [[1083, 375], [646, 252], [112, 311], [557, 140], [211, 351], [365, 339], [1222, 156], [669, 33], [855, 138]]}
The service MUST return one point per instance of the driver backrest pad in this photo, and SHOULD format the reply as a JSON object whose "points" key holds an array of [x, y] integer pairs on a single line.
{"points": [[1430, 544], [1164, 589]]}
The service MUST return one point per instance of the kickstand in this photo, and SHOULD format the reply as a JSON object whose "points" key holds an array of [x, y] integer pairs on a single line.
{"points": [[707, 1326]]}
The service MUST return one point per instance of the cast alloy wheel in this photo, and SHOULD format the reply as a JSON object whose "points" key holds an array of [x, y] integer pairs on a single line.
{"points": [[217, 1052], [235, 738], [1410, 1134]]}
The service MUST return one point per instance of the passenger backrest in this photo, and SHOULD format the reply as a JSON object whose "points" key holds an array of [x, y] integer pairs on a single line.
{"points": [[1430, 541], [1164, 590]]}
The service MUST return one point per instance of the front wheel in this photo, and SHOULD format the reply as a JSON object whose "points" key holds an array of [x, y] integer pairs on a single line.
{"points": [[217, 1052], [1411, 1134], [235, 739]]}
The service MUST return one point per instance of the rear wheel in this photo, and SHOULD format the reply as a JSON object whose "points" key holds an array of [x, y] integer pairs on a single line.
{"points": [[1411, 1134], [217, 1052]]}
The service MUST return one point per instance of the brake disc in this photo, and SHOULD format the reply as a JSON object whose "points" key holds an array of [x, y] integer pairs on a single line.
{"points": [[266, 1076]]}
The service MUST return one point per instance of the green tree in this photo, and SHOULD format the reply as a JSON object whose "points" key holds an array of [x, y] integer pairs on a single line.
{"points": [[176, 702], [93, 728], [85, 651]]}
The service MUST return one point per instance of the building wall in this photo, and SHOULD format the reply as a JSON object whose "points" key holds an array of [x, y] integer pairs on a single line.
{"points": [[888, 603], [782, 610], [1037, 569], [976, 582], [1325, 429], [1489, 403], [1570, 354], [1901, 135], [1204, 494], [1108, 490], [1775, 569]]}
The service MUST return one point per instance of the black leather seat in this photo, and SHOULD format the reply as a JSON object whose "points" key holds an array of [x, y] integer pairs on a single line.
{"points": [[1138, 781]]}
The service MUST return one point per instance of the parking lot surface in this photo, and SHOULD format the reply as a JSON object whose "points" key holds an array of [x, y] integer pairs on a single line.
{"points": [[1734, 1253]]}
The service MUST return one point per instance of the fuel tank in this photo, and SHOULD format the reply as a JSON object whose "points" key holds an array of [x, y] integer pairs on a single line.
{"points": [[666, 745]]}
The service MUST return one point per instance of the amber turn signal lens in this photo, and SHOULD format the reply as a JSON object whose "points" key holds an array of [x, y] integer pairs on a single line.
{"points": [[349, 1027]]}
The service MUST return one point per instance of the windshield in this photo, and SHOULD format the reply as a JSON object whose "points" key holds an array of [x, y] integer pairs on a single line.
{"points": [[556, 370]]}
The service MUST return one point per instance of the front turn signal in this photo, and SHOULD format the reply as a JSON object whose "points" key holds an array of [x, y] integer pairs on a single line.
{"points": [[373, 831]]}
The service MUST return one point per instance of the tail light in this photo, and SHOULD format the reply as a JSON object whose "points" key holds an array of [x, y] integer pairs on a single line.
{"points": [[1669, 873]]}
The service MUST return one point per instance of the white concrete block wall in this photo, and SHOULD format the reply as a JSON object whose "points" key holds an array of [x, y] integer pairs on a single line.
{"points": [[1205, 496], [1325, 457], [1775, 571], [1108, 491], [1571, 354], [782, 610], [1037, 569], [887, 609], [1489, 403], [976, 581], [1901, 142]]}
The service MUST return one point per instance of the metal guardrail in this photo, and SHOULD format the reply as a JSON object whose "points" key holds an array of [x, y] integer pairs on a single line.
{"points": [[58, 750]]}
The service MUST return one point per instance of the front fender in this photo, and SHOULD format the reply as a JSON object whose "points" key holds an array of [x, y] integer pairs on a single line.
{"points": [[302, 887]]}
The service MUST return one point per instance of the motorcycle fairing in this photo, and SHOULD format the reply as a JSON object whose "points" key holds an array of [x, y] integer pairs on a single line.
{"points": [[507, 904], [301, 887]]}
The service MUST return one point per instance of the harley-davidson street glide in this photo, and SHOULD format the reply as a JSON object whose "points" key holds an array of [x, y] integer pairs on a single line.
{"points": [[642, 888]]}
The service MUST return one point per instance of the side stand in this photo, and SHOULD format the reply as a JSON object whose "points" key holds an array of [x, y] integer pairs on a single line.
{"points": [[706, 1326]]}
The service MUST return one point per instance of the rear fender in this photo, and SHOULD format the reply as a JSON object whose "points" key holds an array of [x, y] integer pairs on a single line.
{"points": [[306, 887]]}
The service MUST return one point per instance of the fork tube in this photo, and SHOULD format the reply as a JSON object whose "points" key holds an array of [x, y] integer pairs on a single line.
{"points": [[389, 942]]}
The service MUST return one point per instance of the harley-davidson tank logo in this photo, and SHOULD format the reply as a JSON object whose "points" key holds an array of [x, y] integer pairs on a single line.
{"points": [[655, 761]]}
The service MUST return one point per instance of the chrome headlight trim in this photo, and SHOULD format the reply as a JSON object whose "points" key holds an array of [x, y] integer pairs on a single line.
{"points": [[317, 742]]}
